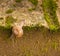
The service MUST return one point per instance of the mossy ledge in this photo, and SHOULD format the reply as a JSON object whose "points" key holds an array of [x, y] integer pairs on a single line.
{"points": [[29, 28], [49, 9]]}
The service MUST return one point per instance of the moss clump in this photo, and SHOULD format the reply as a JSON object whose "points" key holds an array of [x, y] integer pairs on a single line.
{"points": [[34, 2], [49, 8], [32, 27], [9, 11], [31, 9], [53, 28], [9, 20], [18, 0]]}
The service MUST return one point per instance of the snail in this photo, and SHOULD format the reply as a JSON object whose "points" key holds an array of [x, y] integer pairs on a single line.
{"points": [[17, 29]]}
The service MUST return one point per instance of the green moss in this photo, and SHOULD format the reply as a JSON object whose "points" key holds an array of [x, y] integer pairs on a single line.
{"points": [[14, 5], [9, 20], [53, 28], [49, 8], [9, 11], [18, 0], [31, 9], [47, 18], [34, 2], [29, 28]]}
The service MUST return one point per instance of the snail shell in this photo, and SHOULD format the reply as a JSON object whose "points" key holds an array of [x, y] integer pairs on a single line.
{"points": [[17, 30]]}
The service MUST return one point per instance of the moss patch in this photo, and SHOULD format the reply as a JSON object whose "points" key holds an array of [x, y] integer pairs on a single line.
{"points": [[9, 11], [49, 8], [9, 20], [18, 0]]}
